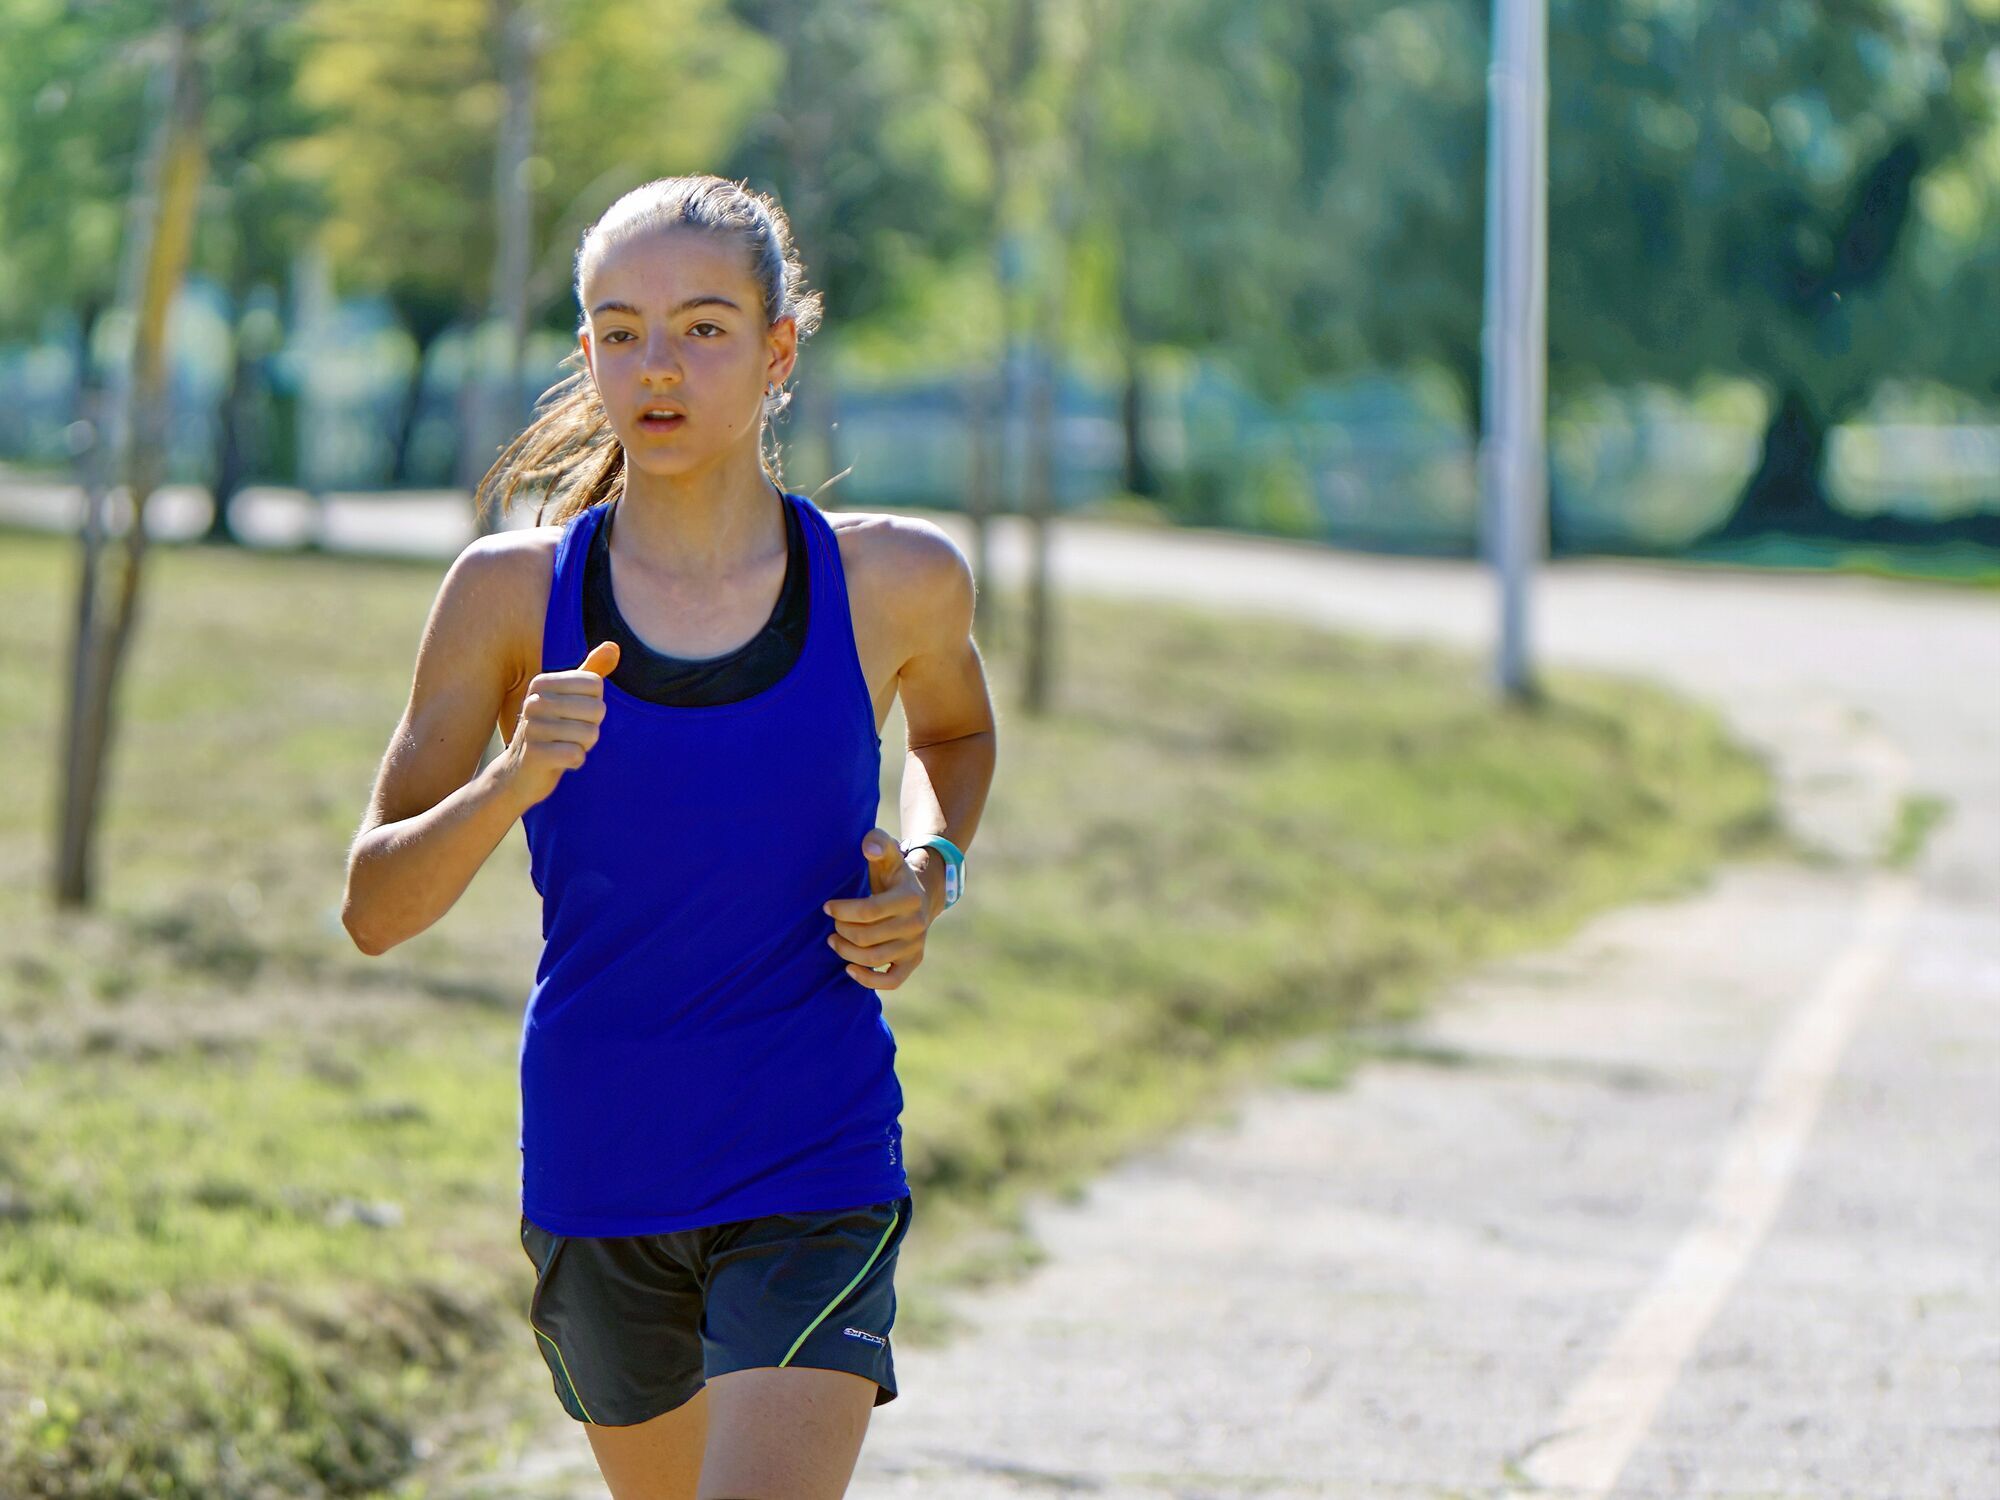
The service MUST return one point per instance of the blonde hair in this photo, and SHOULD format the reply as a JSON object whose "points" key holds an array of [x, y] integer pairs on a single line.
{"points": [[569, 450]]}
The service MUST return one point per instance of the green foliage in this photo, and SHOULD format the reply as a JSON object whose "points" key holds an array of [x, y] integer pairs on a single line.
{"points": [[1763, 212], [1801, 196], [1916, 816], [412, 102], [75, 115], [1195, 183], [72, 126], [264, 210], [1266, 491], [1718, 203], [856, 147]]}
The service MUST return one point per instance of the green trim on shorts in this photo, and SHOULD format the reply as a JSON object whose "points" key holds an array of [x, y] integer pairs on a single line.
{"points": [[894, 1219], [567, 1378], [555, 1244]]}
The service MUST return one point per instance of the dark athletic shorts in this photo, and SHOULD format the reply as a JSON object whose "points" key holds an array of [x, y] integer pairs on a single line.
{"points": [[632, 1326]]}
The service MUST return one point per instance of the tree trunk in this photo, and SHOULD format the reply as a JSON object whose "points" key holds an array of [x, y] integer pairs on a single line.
{"points": [[410, 409], [1140, 478], [1788, 490], [1006, 381], [231, 463], [980, 394], [1786, 493], [1038, 670], [86, 394], [154, 273], [501, 412], [472, 454], [1072, 148]]}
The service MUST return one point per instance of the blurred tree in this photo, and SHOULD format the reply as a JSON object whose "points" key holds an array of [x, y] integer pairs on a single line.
{"points": [[72, 123], [1792, 192], [519, 37], [1206, 179], [980, 55], [868, 197], [1063, 88], [152, 263], [71, 79], [1763, 214], [1955, 267], [260, 211], [1393, 141], [415, 102], [404, 159]]}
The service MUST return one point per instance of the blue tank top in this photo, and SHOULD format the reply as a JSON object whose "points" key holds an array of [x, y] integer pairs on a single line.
{"points": [[693, 1052]]}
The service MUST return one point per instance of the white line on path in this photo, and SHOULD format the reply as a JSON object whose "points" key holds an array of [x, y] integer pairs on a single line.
{"points": [[1610, 1410]]}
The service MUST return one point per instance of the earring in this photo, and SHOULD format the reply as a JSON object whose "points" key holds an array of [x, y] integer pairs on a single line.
{"points": [[770, 388]]}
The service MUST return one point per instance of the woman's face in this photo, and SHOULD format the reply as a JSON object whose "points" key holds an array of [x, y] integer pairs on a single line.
{"points": [[674, 320]]}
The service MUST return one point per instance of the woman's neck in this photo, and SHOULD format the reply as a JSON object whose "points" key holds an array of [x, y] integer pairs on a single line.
{"points": [[688, 526]]}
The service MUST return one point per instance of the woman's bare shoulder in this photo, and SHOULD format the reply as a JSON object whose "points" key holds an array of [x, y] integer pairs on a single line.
{"points": [[515, 569], [896, 545], [902, 571], [521, 542], [867, 535]]}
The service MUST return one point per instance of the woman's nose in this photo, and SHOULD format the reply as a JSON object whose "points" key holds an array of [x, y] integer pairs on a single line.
{"points": [[661, 356]]}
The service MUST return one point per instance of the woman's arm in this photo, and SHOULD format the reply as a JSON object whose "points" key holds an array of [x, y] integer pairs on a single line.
{"points": [[432, 822], [926, 590], [947, 712]]}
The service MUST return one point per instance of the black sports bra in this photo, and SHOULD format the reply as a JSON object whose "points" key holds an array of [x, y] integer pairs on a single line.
{"points": [[700, 682]]}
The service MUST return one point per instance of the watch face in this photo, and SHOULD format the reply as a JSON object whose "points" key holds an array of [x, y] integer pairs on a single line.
{"points": [[954, 870]]}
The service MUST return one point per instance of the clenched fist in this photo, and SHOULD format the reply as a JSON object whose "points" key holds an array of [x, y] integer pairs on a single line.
{"points": [[559, 724], [881, 935]]}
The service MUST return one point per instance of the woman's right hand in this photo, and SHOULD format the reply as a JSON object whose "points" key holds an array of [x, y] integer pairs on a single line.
{"points": [[559, 723]]}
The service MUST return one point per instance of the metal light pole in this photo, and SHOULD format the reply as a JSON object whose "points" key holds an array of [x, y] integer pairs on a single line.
{"points": [[1513, 459]]}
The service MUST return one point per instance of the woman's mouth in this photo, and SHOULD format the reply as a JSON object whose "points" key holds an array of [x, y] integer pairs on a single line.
{"points": [[660, 421]]}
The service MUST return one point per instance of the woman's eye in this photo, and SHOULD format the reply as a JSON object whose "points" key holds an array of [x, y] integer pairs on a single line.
{"points": [[613, 337]]}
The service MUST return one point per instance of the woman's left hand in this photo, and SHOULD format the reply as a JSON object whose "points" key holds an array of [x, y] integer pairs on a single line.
{"points": [[881, 935]]}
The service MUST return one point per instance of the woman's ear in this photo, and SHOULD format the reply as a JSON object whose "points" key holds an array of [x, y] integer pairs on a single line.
{"points": [[784, 349]]}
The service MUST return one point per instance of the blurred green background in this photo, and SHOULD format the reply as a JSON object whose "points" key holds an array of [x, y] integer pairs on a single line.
{"points": [[1243, 241]]}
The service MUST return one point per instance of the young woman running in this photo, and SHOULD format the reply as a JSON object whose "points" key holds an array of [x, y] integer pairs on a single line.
{"points": [[690, 667]]}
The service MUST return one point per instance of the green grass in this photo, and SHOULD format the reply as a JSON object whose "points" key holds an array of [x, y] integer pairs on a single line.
{"points": [[1916, 815], [258, 1191], [1956, 564]]}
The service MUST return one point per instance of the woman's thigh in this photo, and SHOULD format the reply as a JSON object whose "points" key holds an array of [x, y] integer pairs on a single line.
{"points": [[795, 1340], [783, 1434], [658, 1459]]}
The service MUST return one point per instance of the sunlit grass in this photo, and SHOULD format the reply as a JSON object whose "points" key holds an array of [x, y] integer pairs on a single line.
{"points": [[1955, 564], [1916, 816]]}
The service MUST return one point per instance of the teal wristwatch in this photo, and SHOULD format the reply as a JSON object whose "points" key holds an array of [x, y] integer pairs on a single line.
{"points": [[954, 865]]}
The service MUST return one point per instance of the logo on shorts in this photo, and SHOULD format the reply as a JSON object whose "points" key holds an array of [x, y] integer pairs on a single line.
{"points": [[871, 1338]]}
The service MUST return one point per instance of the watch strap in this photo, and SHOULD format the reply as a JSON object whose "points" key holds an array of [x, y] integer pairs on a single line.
{"points": [[954, 865]]}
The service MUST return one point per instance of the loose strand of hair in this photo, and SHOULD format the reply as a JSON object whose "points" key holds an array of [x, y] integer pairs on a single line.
{"points": [[570, 428]]}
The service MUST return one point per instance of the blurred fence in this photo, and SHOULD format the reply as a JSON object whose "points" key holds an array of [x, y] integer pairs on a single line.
{"points": [[1368, 464]]}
